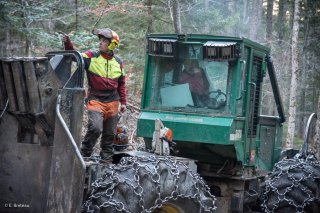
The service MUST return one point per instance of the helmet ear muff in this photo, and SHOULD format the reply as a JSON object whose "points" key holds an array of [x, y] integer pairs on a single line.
{"points": [[113, 44]]}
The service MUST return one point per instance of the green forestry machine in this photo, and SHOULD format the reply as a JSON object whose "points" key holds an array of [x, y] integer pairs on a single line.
{"points": [[233, 145], [212, 154]]}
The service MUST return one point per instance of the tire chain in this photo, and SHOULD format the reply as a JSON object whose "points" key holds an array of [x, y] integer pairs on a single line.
{"points": [[109, 181], [287, 169]]}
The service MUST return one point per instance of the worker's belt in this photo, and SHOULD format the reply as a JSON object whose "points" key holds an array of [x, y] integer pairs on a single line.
{"points": [[103, 95], [102, 92]]}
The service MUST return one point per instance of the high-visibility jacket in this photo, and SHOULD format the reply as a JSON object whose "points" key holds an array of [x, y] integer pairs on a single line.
{"points": [[105, 74]]}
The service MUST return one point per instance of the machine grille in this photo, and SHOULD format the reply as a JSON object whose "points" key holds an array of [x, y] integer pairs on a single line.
{"points": [[257, 77]]}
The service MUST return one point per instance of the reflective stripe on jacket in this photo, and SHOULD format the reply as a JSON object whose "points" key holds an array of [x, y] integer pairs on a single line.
{"points": [[105, 68], [105, 74]]}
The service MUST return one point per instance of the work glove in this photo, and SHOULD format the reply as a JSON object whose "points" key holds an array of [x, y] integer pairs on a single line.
{"points": [[67, 42]]}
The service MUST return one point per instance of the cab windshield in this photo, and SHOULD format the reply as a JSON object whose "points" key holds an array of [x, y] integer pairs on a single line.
{"points": [[189, 85]]}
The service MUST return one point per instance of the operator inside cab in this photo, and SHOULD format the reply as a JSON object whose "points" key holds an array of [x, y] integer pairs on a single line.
{"points": [[198, 83], [188, 84]]}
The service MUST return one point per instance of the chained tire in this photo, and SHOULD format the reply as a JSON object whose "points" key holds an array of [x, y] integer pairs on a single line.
{"points": [[293, 186], [148, 184]]}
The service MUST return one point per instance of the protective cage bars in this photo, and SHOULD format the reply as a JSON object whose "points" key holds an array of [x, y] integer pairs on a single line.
{"points": [[217, 50], [255, 91], [19, 85], [162, 47], [20, 96]]}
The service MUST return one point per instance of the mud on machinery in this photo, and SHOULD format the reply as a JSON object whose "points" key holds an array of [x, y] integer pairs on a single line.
{"points": [[223, 157]]}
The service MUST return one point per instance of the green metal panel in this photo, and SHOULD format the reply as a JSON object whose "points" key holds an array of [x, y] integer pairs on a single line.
{"points": [[278, 141], [185, 127], [269, 146], [194, 37], [145, 77], [255, 51], [267, 134], [209, 153], [246, 101], [235, 88], [239, 148]]}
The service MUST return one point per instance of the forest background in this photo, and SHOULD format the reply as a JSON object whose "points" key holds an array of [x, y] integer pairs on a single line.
{"points": [[291, 28]]}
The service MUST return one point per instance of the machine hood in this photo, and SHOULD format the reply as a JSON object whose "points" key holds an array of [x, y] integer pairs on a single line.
{"points": [[193, 128]]}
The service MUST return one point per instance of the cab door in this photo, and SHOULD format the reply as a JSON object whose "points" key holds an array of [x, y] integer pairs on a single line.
{"points": [[258, 67]]}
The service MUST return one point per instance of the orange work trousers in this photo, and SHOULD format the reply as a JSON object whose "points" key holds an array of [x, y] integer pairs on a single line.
{"points": [[103, 119]]}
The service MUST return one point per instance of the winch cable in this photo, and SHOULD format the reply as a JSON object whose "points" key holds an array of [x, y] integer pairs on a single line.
{"points": [[100, 16], [5, 109], [310, 124]]}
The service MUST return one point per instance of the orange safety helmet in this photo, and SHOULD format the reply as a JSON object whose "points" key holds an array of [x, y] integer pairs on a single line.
{"points": [[109, 34]]}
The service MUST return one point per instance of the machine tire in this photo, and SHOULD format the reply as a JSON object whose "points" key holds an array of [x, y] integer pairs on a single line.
{"points": [[148, 184], [293, 186]]}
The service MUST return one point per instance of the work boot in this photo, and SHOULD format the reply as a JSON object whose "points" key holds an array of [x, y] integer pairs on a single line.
{"points": [[85, 153]]}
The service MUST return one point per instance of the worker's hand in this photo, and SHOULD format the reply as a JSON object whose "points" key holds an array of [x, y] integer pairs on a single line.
{"points": [[67, 42], [123, 108], [65, 38]]}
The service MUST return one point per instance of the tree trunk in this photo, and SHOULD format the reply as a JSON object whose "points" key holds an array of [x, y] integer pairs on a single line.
{"points": [[76, 8], [149, 19], [206, 29], [304, 76], [243, 19], [251, 11], [294, 76], [8, 48], [28, 47], [281, 22], [176, 16], [26, 25], [256, 9], [317, 136], [291, 5], [269, 21]]}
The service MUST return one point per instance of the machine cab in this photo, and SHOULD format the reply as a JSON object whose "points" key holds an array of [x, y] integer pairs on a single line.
{"points": [[209, 91], [190, 77]]}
